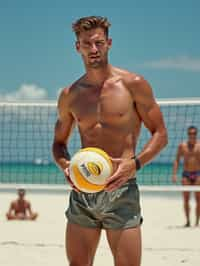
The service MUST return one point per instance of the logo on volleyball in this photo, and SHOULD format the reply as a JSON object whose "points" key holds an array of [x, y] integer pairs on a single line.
{"points": [[94, 168]]}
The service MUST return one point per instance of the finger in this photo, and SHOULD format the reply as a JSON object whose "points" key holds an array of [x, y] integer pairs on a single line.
{"points": [[116, 160], [115, 181], [113, 186], [113, 177]]}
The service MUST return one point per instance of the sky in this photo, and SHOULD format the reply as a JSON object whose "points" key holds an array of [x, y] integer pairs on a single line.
{"points": [[159, 40]]}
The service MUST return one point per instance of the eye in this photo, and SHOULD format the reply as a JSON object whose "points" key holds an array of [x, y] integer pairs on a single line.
{"points": [[100, 43], [86, 44]]}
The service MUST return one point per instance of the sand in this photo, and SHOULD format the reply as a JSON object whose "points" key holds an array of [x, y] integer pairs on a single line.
{"points": [[39, 243]]}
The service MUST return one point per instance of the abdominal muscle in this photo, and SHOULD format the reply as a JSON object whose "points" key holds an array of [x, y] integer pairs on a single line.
{"points": [[117, 142], [191, 164]]}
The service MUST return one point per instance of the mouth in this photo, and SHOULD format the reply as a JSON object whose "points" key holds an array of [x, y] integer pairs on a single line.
{"points": [[94, 56]]}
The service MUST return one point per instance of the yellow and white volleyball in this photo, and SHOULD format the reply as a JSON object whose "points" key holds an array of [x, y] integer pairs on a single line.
{"points": [[89, 169]]}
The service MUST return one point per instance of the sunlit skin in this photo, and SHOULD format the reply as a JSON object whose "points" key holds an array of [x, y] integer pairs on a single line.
{"points": [[108, 104], [190, 153], [93, 47], [20, 209]]}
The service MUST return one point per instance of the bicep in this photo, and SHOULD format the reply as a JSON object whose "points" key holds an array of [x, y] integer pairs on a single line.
{"points": [[63, 128], [152, 118], [65, 121], [148, 109]]}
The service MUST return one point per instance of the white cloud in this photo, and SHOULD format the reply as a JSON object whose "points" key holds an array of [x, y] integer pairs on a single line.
{"points": [[181, 63], [27, 92]]}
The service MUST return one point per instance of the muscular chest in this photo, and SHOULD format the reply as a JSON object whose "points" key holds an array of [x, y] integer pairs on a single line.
{"points": [[104, 105], [20, 207], [192, 153]]}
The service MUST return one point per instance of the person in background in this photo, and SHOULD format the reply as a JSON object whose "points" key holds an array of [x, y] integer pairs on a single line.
{"points": [[20, 209], [190, 152]]}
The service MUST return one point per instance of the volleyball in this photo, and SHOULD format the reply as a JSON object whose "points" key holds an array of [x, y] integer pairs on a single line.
{"points": [[89, 168]]}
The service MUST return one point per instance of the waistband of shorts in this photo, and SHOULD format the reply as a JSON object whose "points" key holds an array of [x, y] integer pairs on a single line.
{"points": [[132, 180], [188, 173]]}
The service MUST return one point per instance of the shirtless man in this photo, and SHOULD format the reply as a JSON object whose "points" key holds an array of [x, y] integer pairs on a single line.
{"points": [[108, 104], [190, 152], [20, 209]]}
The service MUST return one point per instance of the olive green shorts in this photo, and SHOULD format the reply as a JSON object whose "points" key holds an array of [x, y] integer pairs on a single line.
{"points": [[119, 209]]}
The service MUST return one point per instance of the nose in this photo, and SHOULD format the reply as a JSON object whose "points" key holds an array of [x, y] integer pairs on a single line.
{"points": [[94, 48]]}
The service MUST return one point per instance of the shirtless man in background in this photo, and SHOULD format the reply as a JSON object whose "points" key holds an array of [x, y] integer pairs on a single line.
{"points": [[20, 209], [108, 104], [190, 152]]}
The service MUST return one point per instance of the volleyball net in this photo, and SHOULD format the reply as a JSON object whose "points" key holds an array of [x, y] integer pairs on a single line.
{"points": [[26, 136]]}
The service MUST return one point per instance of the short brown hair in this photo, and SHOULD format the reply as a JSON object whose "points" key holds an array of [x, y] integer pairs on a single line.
{"points": [[192, 128], [92, 22]]}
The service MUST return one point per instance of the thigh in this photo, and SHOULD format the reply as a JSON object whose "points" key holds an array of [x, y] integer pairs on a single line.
{"points": [[81, 243], [197, 182], [197, 194], [122, 209], [125, 245], [186, 182]]}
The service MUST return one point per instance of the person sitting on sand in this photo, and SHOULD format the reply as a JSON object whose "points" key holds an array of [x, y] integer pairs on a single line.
{"points": [[20, 209]]}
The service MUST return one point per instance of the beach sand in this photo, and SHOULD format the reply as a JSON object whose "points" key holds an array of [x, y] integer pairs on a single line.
{"points": [[41, 242]]}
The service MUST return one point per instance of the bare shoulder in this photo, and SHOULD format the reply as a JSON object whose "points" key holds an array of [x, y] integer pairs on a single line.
{"points": [[141, 92], [182, 145], [68, 91], [13, 203], [127, 76], [27, 203], [138, 86], [66, 97]]}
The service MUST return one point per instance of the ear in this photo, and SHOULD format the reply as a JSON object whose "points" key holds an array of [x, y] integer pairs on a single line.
{"points": [[109, 42], [77, 46]]}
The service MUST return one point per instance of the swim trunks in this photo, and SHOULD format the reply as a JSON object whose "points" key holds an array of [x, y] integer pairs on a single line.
{"points": [[191, 175], [119, 209]]}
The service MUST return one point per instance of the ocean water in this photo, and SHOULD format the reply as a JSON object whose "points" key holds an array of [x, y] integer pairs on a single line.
{"points": [[153, 174], [26, 136]]}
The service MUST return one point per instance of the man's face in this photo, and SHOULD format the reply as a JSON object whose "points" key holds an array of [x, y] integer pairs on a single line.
{"points": [[93, 45], [21, 193], [192, 135]]}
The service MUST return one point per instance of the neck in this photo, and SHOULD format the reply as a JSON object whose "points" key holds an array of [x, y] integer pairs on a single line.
{"points": [[191, 143], [99, 75], [20, 199]]}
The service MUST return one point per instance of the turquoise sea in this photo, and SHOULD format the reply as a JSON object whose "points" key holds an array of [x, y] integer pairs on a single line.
{"points": [[153, 174]]}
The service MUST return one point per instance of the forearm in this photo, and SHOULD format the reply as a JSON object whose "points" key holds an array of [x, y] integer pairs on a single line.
{"points": [[157, 142], [175, 167], [61, 155]]}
